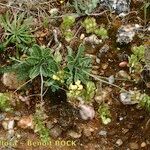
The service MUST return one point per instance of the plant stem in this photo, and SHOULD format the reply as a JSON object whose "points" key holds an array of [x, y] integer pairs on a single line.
{"points": [[101, 80], [42, 82]]}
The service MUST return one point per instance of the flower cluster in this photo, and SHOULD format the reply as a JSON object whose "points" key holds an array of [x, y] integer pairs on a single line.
{"points": [[75, 89], [59, 76]]}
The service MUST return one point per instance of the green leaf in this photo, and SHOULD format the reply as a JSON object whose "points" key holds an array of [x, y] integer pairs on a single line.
{"points": [[34, 72], [36, 51]]}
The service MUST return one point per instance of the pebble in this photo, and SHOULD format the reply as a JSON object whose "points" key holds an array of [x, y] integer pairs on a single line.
{"points": [[103, 133], [95, 72], [123, 64], [98, 60], [124, 74], [86, 112], [5, 125], [11, 124], [10, 134], [55, 132], [125, 98], [74, 134], [120, 118], [143, 144], [2, 117], [119, 142], [124, 131], [87, 132], [134, 145], [50, 125], [26, 122], [104, 66], [111, 79], [82, 36], [10, 80], [92, 39]]}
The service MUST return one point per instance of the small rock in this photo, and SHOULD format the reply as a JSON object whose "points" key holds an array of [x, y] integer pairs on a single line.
{"points": [[87, 132], [82, 36], [133, 145], [5, 125], [121, 7], [95, 72], [126, 99], [74, 134], [124, 74], [50, 125], [104, 66], [17, 113], [92, 39], [123, 64], [10, 80], [102, 52], [26, 122], [120, 118], [124, 131], [10, 134], [119, 142], [126, 33], [104, 95], [86, 112], [55, 132], [11, 124], [54, 11], [2, 117], [98, 60], [111, 79], [103, 133], [143, 144]]}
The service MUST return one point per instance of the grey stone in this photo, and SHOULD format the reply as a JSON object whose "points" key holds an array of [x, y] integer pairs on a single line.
{"points": [[119, 142], [121, 7], [103, 133], [2, 117], [55, 132], [74, 134], [134, 145]]}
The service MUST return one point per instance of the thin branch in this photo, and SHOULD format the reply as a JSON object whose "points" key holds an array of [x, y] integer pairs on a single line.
{"points": [[95, 77], [22, 85]]}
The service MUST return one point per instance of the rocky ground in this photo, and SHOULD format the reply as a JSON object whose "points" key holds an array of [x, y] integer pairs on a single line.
{"points": [[72, 126]]}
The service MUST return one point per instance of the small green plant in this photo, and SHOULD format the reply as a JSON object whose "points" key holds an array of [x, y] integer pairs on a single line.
{"points": [[40, 61], [89, 91], [146, 8], [104, 114], [39, 121], [85, 6], [137, 59], [145, 101], [91, 27], [102, 32], [4, 102], [77, 65], [17, 30], [68, 22]]}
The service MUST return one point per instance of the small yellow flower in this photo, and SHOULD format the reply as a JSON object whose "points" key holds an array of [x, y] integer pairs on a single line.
{"points": [[78, 82], [55, 77], [73, 87], [80, 87]]}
